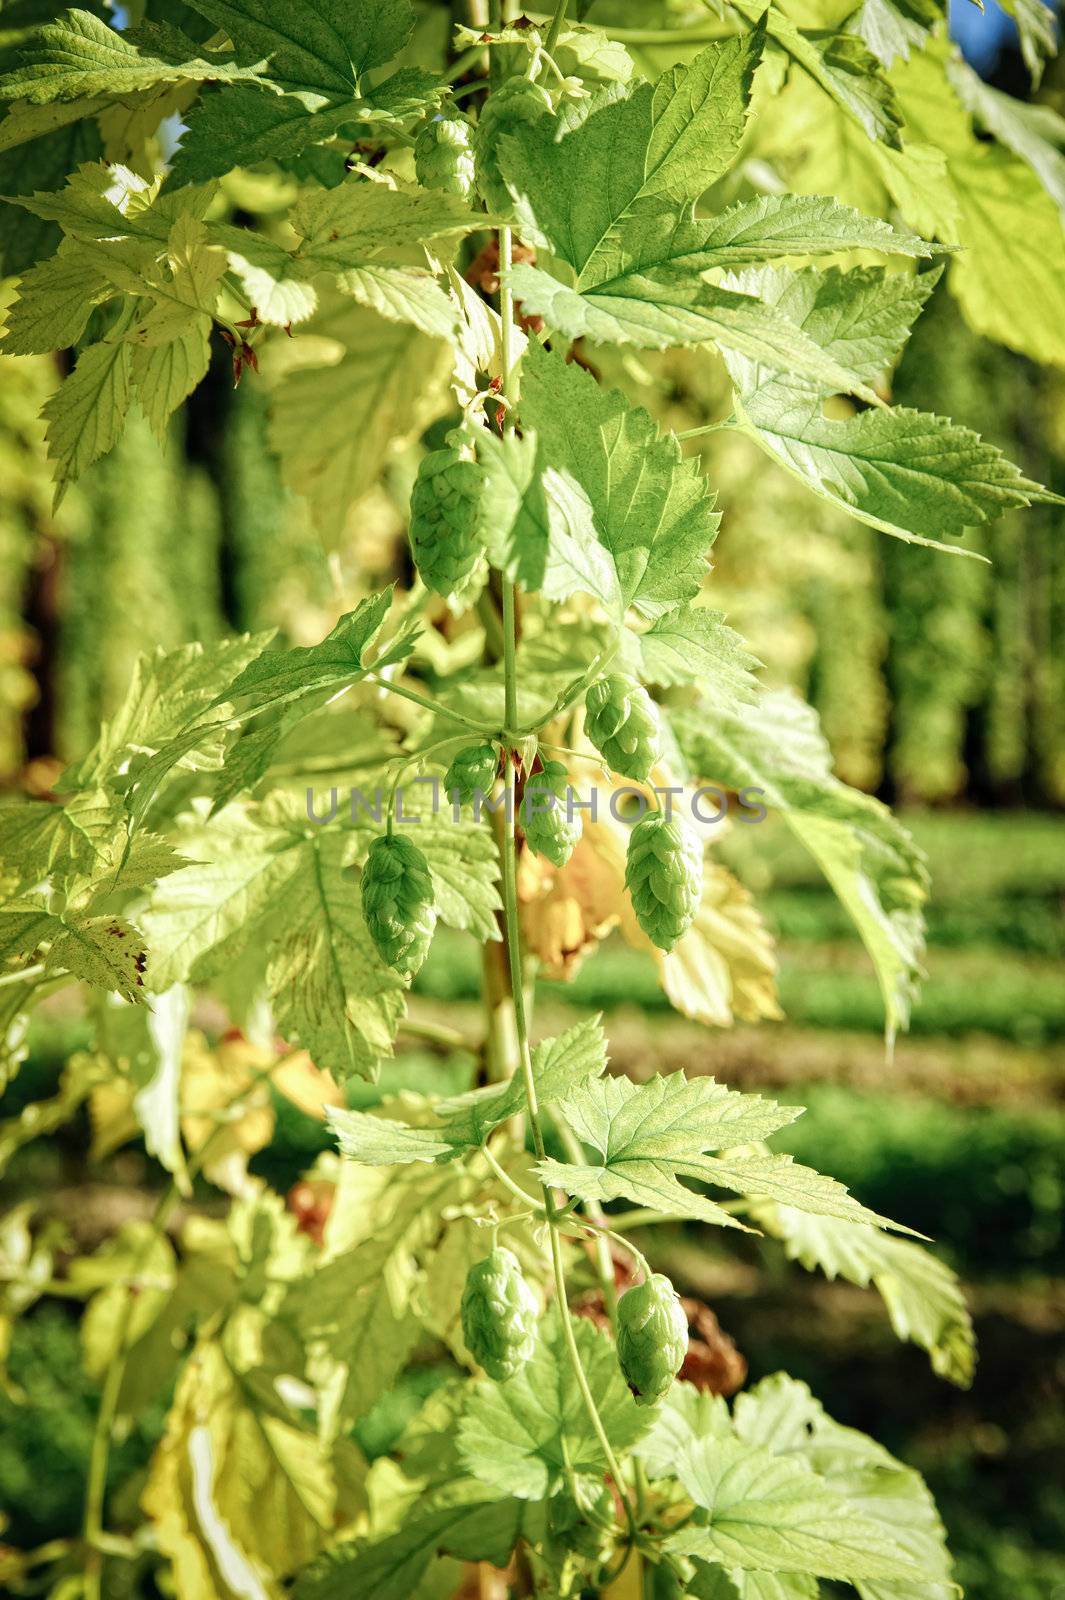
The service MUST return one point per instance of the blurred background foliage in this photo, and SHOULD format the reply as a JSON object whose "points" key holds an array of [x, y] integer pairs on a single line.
{"points": [[941, 687]]}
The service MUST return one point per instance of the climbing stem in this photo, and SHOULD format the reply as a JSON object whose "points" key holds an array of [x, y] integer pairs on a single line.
{"points": [[513, 936], [556, 26]]}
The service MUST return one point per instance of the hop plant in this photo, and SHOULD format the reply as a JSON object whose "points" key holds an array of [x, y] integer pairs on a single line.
{"points": [[397, 902], [621, 722], [499, 1315], [473, 771], [443, 156], [549, 829], [652, 1337], [664, 875], [445, 519], [516, 100]]}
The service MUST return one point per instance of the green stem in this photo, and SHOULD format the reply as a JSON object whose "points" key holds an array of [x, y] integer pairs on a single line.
{"points": [[21, 976], [665, 35], [431, 705], [508, 1183], [641, 1217], [572, 694], [510, 912], [468, 58], [435, 1033], [556, 26], [708, 427], [513, 930]]}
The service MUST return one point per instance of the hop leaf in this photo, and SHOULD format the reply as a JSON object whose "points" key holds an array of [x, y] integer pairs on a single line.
{"points": [[397, 902], [499, 1315], [445, 519], [550, 827], [664, 875], [652, 1337], [622, 724], [443, 156], [516, 100], [472, 772]]}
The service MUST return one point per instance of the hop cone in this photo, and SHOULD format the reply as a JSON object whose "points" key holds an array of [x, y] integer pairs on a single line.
{"points": [[443, 156], [548, 828], [445, 519], [621, 722], [473, 771], [652, 1337], [664, 877], [499, 1315], [397, 902], [516, 100]]}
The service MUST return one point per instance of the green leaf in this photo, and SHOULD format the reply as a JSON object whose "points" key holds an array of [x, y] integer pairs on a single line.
{"points": [[55, 301], [342, 230], [313, 44], [373, 385], [1009, 276], [559, 1065], [529, 1435], [841, 67], [163, 721], [315, 55], [79, 55], [87, 412], [685, 1415], [780, 1414], [279, 677], [332, 993], [402, 294], [891, 28], [908, 473], [923, 1297], [755, 232], [241, 126], [106, 952], [868, 857], [1038, 32], [640, 1135], [696, 645], [579, 178], [355, 1321], [651, 516], [860, 318], [466, 1524], [772, 1513], [172, 339], [1035, 133], [658, 312], [648, 1136], [40, 165], [238, 1482], [340, 227]]}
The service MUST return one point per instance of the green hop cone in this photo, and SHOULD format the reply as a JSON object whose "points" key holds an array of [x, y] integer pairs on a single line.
{"points": [[621, 721], [443, 156], [397, 902], [545, 817], [652, 1337], [473, 771], [664, 877], [515, 101], [499, 1315], [445, 519]]}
